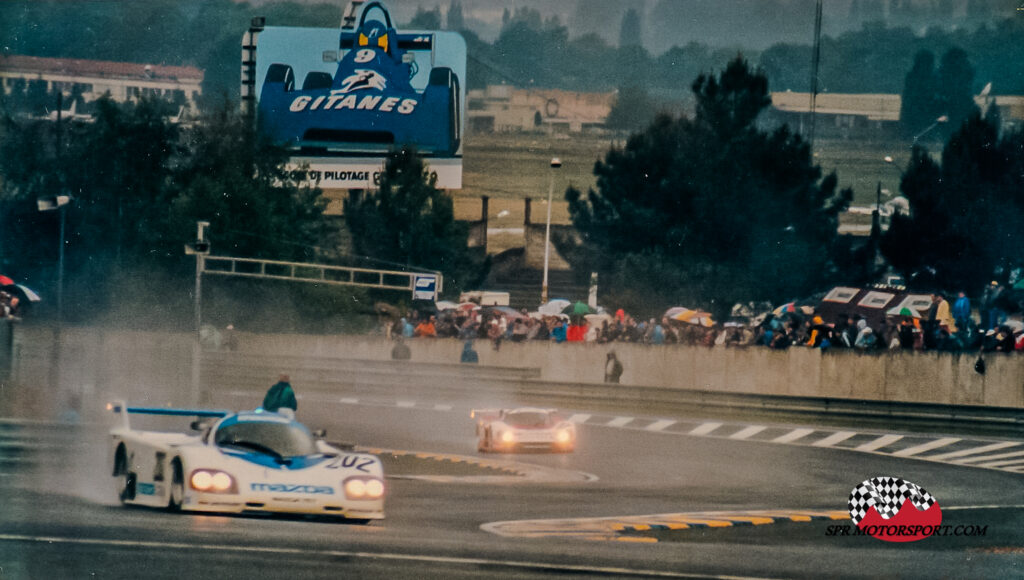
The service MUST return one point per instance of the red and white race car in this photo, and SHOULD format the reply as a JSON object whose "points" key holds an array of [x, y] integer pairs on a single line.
{"points": [[523, 429]]}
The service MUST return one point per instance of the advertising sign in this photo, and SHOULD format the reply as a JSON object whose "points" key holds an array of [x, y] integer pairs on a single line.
{"points": [[424, 287], [341, 99]]}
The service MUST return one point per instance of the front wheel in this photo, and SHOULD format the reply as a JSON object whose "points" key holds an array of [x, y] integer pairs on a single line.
{"points": [[177, 496]]}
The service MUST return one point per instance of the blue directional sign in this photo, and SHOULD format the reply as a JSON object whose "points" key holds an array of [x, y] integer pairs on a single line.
{"points": [[424, 287]]}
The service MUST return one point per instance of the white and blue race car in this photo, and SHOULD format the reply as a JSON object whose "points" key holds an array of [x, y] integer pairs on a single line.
{"points": [[253, 462]]}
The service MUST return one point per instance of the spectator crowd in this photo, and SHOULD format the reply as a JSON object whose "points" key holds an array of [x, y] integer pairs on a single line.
{"points": [[946, 326]]}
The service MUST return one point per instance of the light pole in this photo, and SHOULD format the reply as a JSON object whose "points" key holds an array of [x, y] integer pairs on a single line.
{"points": [[555, 164], [200, 248], [941, 119], [59, 204]]}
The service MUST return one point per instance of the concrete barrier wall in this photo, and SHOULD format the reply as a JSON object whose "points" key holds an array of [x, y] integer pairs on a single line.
{"points": [[135, 362]]}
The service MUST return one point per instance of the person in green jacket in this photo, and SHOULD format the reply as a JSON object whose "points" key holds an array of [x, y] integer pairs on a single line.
{"points": [[281, 395]]}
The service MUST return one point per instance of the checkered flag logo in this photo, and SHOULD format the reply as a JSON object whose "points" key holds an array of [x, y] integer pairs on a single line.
{"points": [[887, 495]]}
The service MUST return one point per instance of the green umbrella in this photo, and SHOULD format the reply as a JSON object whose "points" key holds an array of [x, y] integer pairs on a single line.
{"points": [[578, 308]]}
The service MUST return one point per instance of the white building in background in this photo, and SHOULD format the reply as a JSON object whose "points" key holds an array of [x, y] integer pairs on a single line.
{"points": [[503, 109], [125, 81]]}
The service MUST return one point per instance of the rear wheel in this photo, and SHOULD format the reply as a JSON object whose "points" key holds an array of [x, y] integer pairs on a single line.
{"points": [[125, 486], [177, 486], [282, 74]]}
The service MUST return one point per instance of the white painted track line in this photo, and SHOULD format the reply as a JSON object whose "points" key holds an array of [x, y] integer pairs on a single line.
{"points": [[879, 443], [926, 446], [793, 435], [748, 432], [660, 425], [705, 429], [972, 451], [834, 438]]}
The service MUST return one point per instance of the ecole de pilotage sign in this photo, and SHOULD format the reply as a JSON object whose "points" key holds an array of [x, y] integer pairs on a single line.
{"points": [[356, 173]]}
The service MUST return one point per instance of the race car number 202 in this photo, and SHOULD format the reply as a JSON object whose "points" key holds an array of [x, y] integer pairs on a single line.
{"points": [[351, 461]]}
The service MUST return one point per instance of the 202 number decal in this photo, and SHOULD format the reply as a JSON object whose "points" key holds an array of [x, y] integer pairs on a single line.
{"points": [[358, 462]]}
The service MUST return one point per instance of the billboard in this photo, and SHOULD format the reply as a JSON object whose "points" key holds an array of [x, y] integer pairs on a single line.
{"points": [[340, 99]]}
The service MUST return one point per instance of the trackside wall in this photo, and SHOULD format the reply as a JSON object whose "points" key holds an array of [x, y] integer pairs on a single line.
{"points": [[97, 361]]}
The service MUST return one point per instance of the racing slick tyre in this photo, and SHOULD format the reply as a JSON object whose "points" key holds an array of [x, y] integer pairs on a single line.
{"points": [[281, 73], [443, 76], [177, 495], [125, 486]]}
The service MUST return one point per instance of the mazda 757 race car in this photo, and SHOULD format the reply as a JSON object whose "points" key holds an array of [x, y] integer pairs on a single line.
{"points": [[253, 462], [523, 429]]}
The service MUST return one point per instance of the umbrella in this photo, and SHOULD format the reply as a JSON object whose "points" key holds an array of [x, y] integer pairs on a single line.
{"points": [[446, 305], [786, 308], [5, 281], [577, 309], [673, 311], [1014, 325], [23, 292], [903, 312], [553, 307], [698, 317], [468, 306]]}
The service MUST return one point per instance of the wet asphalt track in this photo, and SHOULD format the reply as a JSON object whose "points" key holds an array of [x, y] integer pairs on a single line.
{"points": [[59, 519]]}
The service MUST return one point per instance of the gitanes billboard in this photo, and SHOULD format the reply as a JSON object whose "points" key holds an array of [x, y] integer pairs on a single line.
{"points": [[340, 99]]}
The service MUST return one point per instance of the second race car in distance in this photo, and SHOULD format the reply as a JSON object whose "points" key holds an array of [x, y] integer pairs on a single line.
{"points": [[523, 429], [253, 462]]}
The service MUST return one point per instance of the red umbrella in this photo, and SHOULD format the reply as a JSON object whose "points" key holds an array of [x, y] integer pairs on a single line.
{"points": [[5, 281]]}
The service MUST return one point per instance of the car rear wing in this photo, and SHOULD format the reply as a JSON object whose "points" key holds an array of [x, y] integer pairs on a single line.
{"points": [[485, 414], [121, 409]]}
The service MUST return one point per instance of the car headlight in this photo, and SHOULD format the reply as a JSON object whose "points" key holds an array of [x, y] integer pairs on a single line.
{"points": [[360, 487], [563, 436], [508, 437], [212, 481]]}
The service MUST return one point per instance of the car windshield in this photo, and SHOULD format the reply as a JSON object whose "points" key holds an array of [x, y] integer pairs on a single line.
{"points": [[528, 419], [284, 439]]}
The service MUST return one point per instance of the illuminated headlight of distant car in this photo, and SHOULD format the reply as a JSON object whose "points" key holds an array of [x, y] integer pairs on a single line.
{"points": [[508, 437], [359, 487], [212, 481], [563, 436]]}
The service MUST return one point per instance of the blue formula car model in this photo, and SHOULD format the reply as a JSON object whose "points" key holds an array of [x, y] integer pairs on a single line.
{"points": [[369, 105]]}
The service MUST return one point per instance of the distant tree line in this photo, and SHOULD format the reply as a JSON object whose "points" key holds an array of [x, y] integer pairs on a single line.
{"points": [[138, 185], [966, 219], [713, 210], [530, 51]]}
